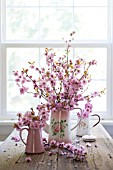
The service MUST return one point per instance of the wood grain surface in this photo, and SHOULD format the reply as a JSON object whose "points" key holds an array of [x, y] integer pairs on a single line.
{"points": [[99, 155]]}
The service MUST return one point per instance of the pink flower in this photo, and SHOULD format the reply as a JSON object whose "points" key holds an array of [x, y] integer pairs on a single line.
{"points": [[20, 123], [68, 146], [15, 73], [35, 95], [85, 114], [15, 138], [23, 89], [37, 124], [28, 159], [32, 66], [19, 114], [88, 105], [17, 80], [53, 143], [93, 62], [84, 82], [61, 145], [44, 140], [28, 114], [50, 153], [57, 127]]}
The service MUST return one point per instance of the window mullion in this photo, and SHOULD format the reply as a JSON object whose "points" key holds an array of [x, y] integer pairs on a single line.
{"points": [[4, 80], [110, 17], [109, 82], [1, 71], [59, 44], [112, 58], [3, 20]]}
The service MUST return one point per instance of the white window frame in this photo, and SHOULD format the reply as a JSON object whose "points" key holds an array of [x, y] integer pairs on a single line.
{"points": [[5, 44]]}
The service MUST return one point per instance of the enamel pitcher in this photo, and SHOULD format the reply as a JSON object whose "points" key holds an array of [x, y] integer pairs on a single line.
{"points": [[60, 126], [84, 125], [34, 143]]}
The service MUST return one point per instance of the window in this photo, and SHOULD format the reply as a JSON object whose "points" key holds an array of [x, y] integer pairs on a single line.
{"points": [[27, 27]]}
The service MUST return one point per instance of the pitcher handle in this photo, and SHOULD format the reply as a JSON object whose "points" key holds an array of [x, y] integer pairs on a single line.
{"points": [[75, 125], [97, 121], [21, 130], [79, 120]]}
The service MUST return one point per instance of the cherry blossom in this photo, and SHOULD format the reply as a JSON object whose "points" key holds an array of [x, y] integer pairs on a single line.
{"points": [[30, 119], [67, 150], [63, 83]]}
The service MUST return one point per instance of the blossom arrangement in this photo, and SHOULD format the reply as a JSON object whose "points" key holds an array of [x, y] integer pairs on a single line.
{"points": [[31, 120], [68, 150], [62, 83]]}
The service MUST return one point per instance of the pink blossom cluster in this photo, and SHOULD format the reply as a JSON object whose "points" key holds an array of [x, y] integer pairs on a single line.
{"points": [[15, 138], [63, 84], [86, 111], [31, 120], [68, 150]]}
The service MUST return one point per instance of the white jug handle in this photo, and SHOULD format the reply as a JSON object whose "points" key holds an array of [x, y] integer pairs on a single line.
{"points": [[97, 121], [79, 120]]}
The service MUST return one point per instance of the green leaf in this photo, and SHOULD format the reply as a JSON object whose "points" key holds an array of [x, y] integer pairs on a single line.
{"points": [[54, 134]]}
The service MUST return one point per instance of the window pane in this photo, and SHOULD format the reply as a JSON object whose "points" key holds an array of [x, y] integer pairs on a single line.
{"points": [[56, 2], [99, 103], [17, 102], [90, 2], [44, 23], [22, 2], [55, 22], [100, 55], [90, 25], [17, 58], [98, 74], [22, 23]]}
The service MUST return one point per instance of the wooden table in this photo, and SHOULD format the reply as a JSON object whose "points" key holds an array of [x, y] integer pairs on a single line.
{"points": [[99, 156]]}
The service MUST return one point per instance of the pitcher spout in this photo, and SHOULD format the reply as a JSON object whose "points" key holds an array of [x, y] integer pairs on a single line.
{"points": [[46, 128]]}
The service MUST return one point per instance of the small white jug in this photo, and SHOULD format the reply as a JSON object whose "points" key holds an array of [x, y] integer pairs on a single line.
{"points": [[84, 126]]}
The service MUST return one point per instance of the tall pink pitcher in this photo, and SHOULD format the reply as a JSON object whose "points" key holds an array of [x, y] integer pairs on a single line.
{"points": [[34, 142]]}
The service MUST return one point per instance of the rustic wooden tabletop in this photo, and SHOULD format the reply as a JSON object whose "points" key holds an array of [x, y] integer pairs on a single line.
{"points": [[99, 155]]}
